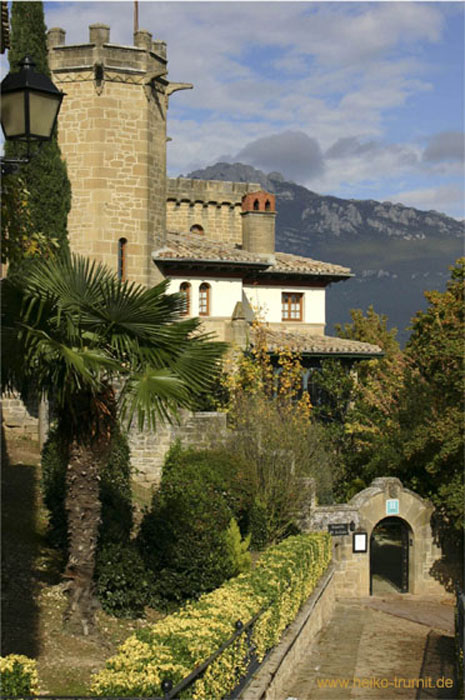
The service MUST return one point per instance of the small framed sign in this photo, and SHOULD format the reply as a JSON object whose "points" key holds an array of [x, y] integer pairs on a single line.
{"points": [[392, 506], [360, 542], [337, 529]]}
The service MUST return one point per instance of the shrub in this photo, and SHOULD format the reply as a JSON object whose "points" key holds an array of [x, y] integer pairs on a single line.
{"points": [[241, 559], [258, 525], [283, 579], [183, 537], [123, 583], [227, 473], [116, 493], [18, 675], [115, 489]]}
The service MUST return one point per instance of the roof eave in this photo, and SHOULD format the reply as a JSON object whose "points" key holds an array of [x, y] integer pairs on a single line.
{"points": [[189, 262], [333, 276], [337, 354]]}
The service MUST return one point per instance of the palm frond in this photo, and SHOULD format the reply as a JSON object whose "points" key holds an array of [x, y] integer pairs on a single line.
{"points": [[154, 396], [75, 326]]}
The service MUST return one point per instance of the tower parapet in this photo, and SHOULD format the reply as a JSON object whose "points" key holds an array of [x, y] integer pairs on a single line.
{"points": [[215, 205], [112, 132]]}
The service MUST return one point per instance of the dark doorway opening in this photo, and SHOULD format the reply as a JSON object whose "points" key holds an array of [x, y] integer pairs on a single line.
{"points": [[389, 557]]}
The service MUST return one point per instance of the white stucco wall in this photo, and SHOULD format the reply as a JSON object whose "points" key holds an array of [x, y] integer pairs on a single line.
{"points": [[224, 294], [268, 301]]}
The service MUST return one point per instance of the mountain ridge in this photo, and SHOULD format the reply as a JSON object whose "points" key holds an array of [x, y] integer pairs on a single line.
{"points": [[396, 252]]}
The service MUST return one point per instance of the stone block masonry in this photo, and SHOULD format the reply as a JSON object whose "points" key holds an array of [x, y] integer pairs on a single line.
{"points": [[19, 419], [148, 448], [214, 205], [365, 510], [112, 133]]}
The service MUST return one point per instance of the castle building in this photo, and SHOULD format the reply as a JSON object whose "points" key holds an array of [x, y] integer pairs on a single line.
{"points": [[214, 241]]}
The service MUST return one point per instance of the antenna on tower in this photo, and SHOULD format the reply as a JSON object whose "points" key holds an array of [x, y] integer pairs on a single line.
{"points": [[136, 16]]}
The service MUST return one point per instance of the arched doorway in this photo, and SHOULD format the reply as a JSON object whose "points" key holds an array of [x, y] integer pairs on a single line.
{"points": [[389, 556]]}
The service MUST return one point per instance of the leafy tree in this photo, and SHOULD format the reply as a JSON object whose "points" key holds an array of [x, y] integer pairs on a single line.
{"points": [[19, 237], [43, 187], [286, 452], [28, 35], [359, 401], [72, 328], [430, 441], [405, 414]]}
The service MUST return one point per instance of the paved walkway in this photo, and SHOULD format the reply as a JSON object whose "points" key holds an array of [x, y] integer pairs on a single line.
{"points": [[390, 641]]}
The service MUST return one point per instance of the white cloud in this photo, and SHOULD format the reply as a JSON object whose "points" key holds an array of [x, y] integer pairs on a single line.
{"points": [[331, 71], [444, 198]]}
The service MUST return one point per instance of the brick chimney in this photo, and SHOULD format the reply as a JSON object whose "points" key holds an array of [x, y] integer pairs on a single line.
{"points": [[258, 222]]}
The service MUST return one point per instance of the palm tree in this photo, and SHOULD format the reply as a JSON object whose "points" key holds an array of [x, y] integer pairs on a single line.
{"points": [[73, 331]]}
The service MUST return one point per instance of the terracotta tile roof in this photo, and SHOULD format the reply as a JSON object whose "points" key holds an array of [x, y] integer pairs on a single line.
{"points": [[303, 342], [190, 247], [286, 262], [194, 247]]}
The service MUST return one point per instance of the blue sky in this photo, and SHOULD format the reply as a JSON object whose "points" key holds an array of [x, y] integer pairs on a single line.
{"points": [[360, 100]]}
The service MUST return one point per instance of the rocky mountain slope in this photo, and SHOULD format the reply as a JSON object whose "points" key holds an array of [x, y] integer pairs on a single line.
{"points": [[396, 252]]}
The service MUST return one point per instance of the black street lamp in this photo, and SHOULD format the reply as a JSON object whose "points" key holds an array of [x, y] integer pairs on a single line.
{"points": [[29, 110]]}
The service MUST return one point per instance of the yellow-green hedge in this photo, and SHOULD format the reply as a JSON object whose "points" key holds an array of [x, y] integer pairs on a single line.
{"points": [[18, 675], [284, 576]]}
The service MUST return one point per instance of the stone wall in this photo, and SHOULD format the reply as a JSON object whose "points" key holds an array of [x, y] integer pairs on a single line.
{"points": [[112, 132], [148, 449], [214, 205], [365, 510], [19, 419]]}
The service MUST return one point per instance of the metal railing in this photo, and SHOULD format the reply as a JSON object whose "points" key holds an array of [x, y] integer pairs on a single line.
{"points": [[246, 667]]}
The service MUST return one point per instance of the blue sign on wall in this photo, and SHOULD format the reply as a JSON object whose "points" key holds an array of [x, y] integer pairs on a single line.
{"points": [[392, 506]]}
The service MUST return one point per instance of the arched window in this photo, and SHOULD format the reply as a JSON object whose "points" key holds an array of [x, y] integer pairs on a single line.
{"points": [[185, 289], [122, 259], [256, 205], [204, 299], [197, 228], [267, 205]]}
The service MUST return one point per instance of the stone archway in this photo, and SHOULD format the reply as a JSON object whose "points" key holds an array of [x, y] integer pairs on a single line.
{"points": [[390, 541], [385, 498]]}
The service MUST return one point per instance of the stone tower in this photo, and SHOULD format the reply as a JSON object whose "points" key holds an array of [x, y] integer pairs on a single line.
{"points": [[112, 132]]}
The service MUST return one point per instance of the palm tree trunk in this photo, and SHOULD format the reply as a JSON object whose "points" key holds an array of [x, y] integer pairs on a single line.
{"points": [[83, 511]]}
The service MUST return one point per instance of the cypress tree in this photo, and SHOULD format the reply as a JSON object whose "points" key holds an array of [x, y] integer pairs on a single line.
{"points": [[45, 177]]}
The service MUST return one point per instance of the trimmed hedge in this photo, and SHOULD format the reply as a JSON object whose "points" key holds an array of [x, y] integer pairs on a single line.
{"points": [[283, 579], [18, 675]]}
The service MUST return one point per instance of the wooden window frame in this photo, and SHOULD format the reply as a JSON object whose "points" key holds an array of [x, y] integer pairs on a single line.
{"points": [[186, 288], [207, 288], [286, 307]]}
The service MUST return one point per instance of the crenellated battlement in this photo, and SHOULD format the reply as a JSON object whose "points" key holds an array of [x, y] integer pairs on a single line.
{"points": [[208, 191], [145, 55], [213, 205]]}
